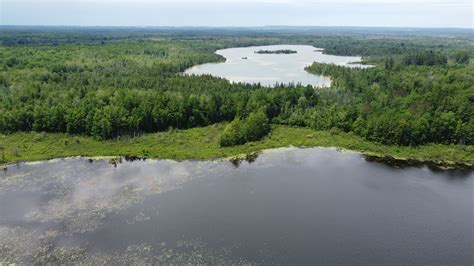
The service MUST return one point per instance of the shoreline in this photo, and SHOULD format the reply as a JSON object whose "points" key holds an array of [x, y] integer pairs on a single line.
{"points": [[327, 79], [397, 162], [202, 144]]}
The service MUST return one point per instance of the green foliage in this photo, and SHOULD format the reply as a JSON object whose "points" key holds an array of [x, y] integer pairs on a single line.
{"points": [[461, 57], [256, 126], [204, 143], [115, 84], [233, 134], [2, 155], [425, 58], [397, 105], [124, 89], [239, 131]]}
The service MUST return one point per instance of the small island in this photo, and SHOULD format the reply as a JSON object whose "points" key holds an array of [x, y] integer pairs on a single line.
{"points": [[283, 51]]}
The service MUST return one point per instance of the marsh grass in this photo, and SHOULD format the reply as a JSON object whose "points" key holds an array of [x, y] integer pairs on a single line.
{"points": [[203, 143]]}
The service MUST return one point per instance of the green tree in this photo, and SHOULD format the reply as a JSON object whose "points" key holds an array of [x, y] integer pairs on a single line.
{"points": [[461, 57], [233, 134], [239, 131], [256, 126], [359, 126], [102, 125]]}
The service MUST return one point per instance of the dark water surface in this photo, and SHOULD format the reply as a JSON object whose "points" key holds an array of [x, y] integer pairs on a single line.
{"points": [[291, 206]]}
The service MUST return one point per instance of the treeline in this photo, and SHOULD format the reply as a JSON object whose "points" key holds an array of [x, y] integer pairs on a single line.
{"points": [[111, 113], [426, 58]]}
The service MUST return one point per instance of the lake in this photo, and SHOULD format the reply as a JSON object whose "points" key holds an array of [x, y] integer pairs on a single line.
{"points": [[244, 65], [290, 206]]}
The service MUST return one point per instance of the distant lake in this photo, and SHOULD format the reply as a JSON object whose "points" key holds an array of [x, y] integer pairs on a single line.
{"points": [[244, 65], [290, 206]]}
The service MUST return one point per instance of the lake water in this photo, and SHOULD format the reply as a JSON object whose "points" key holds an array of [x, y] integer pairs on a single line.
{"points": [[290, 206], [269, 69]]}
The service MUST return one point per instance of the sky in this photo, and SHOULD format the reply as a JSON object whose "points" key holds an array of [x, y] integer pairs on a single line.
{"points": [[374, 13]]}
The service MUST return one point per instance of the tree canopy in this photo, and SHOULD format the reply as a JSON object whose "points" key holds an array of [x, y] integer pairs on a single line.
{"points": [[239, 131], [421, 90]]}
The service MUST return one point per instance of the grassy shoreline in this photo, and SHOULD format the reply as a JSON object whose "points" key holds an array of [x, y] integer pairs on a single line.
{"points": [[203, 143]]}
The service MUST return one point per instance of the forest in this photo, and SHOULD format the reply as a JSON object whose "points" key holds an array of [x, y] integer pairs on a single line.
{"points": [[116, 84], [400, 104]]}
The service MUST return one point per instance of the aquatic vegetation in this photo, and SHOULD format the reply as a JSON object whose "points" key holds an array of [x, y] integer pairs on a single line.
{"points": [[75, 201], [20, 247], [248, 157]]}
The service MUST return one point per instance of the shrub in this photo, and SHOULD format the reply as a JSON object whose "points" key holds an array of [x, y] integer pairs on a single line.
{"points": [[233, 134], [239, 131]]}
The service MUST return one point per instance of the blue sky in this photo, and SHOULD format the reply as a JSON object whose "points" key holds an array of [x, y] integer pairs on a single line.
{"points": [[390, 13]]}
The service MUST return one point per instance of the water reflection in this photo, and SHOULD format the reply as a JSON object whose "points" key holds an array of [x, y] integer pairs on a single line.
{"points": [[455, 171], [289, 206]]}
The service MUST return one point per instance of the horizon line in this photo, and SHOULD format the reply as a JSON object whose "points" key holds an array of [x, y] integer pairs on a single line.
{"points": [[234, 26]]}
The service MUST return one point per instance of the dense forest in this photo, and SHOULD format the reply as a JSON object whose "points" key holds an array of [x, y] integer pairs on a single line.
{"points": [[401, 104], [110, 84]]}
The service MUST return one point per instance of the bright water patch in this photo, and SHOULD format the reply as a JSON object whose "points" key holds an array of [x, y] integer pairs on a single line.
{"points": [[244, 65]]}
